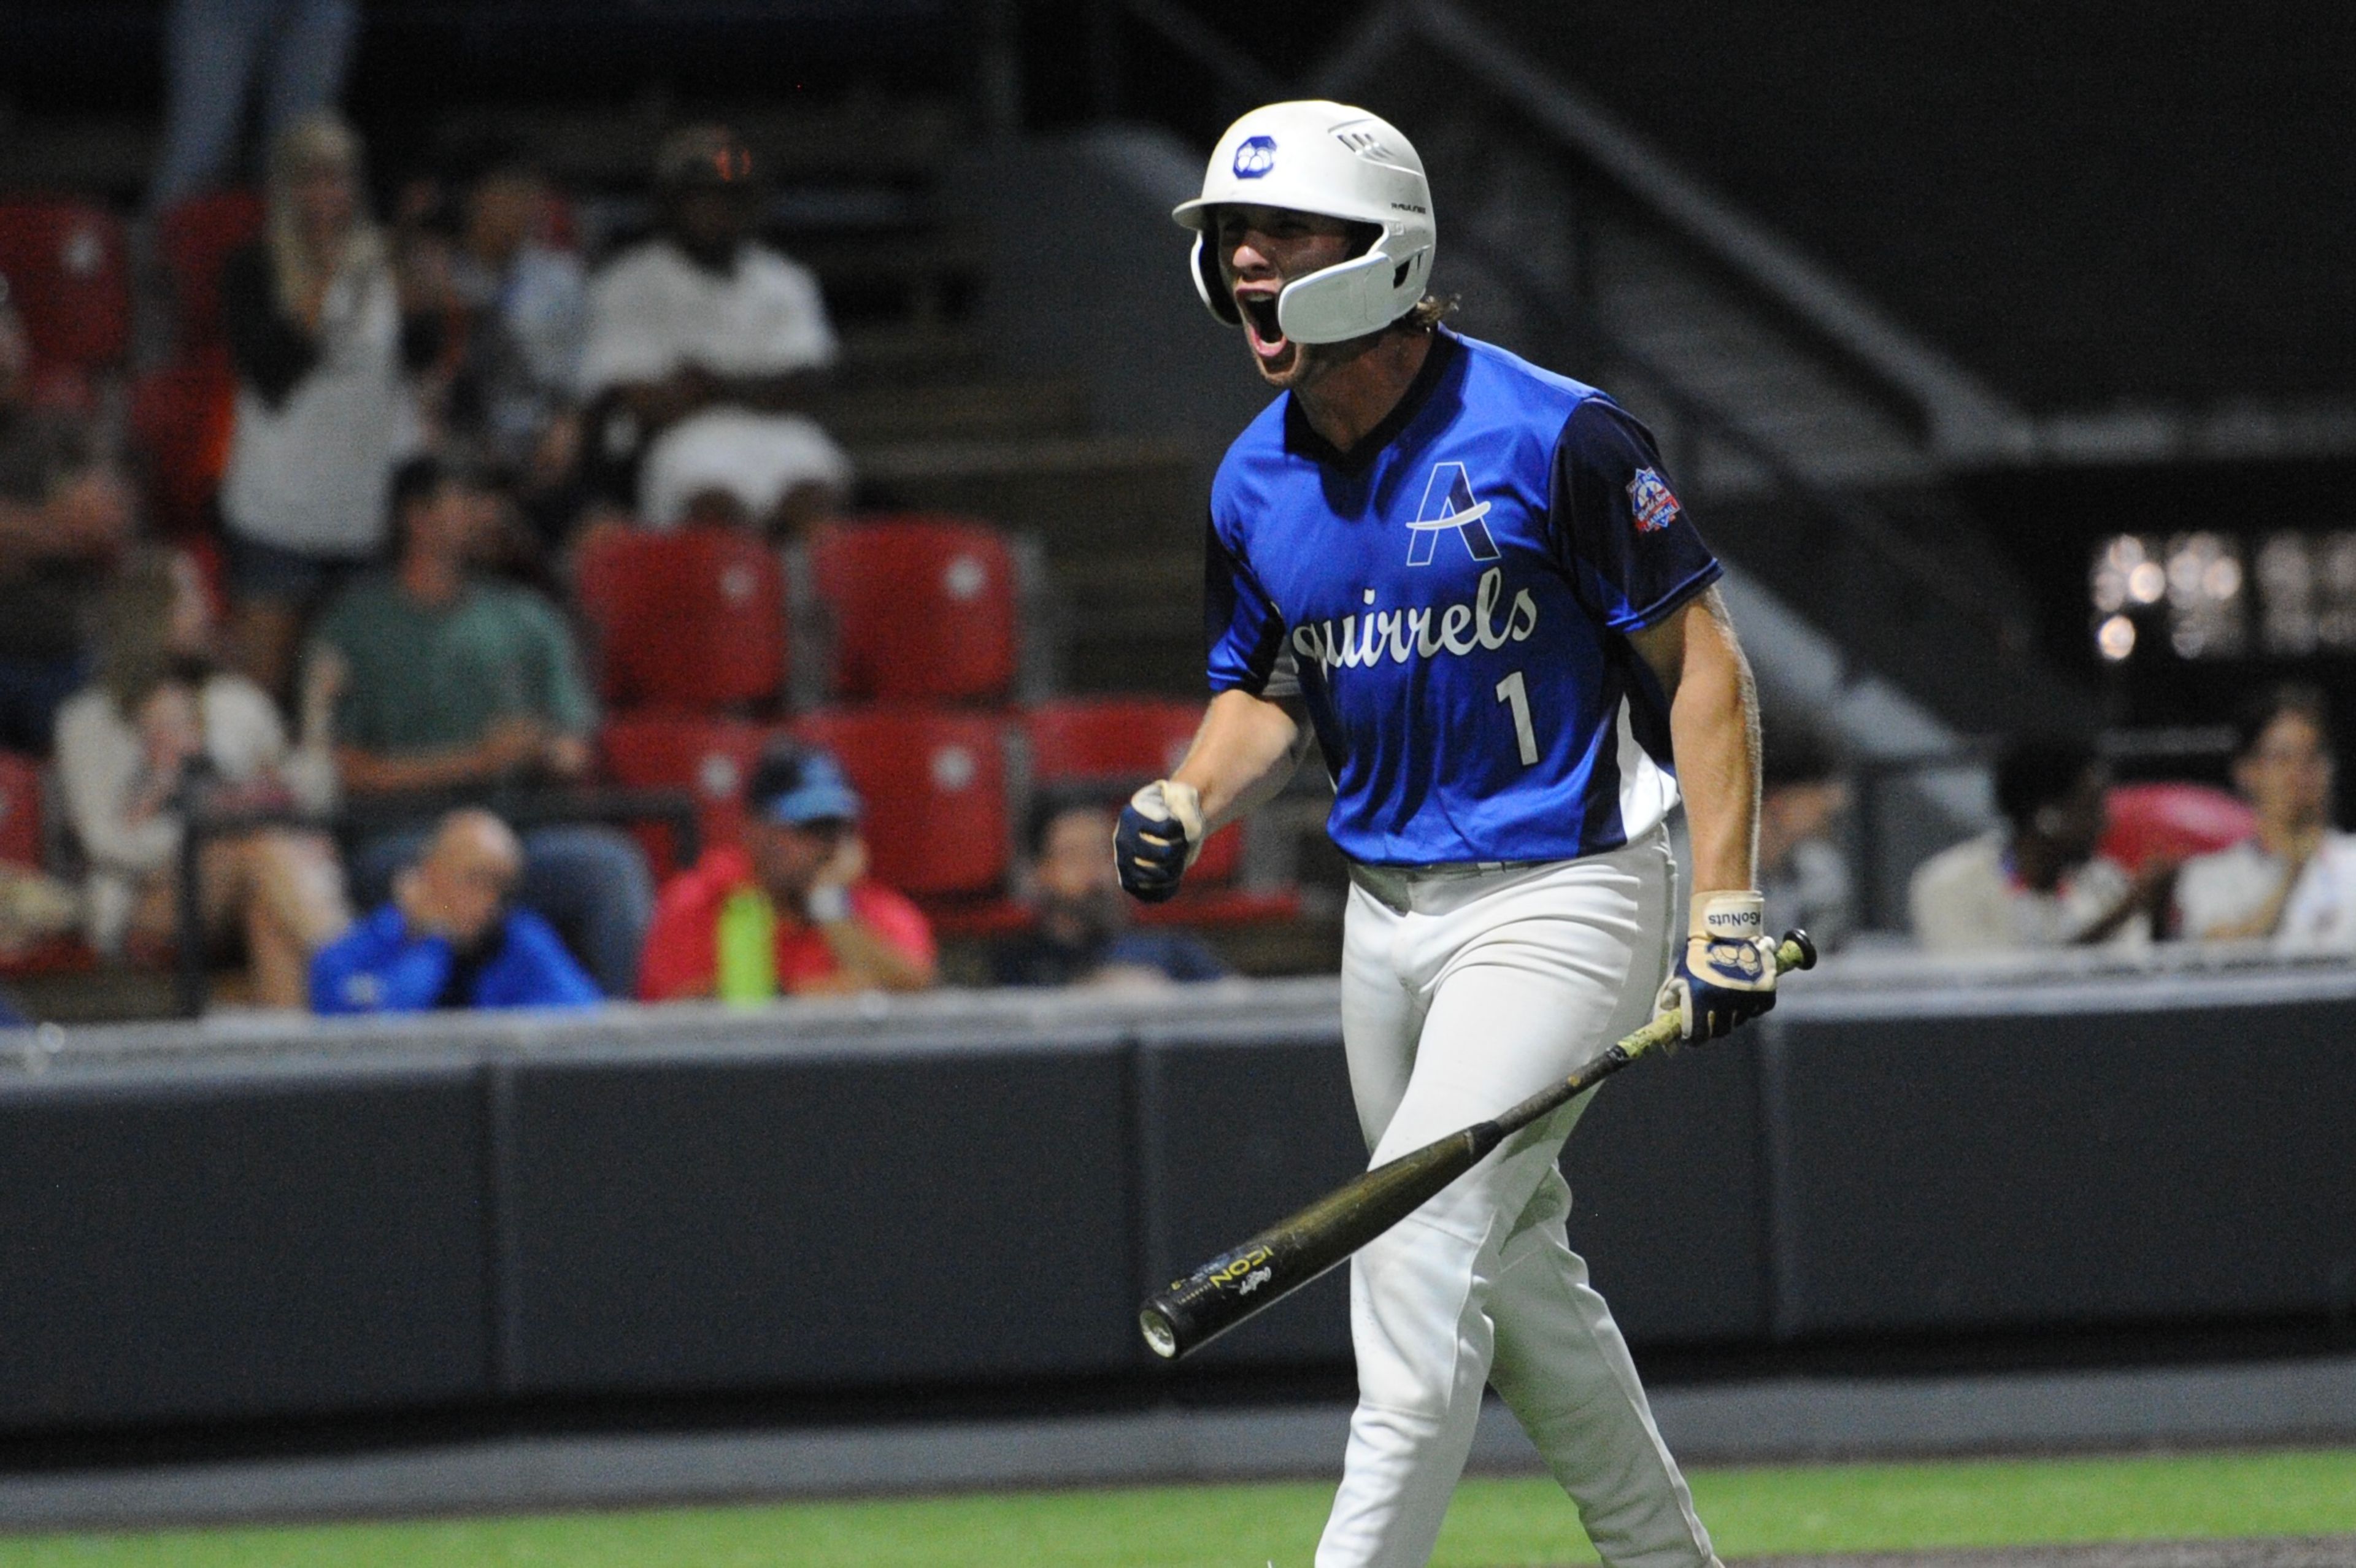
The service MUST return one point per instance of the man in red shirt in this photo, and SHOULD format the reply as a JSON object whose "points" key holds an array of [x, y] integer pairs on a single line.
{"points": [[792, 911]]}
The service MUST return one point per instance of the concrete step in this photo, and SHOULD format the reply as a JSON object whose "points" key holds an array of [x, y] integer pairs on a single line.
{"points": [[1003, 409], [1080, 494], [1132, 620], [908, 355], [856, 137]]}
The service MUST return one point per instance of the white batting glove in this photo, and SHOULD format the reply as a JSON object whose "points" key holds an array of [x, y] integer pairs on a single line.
{"points": [[1726, 976]]}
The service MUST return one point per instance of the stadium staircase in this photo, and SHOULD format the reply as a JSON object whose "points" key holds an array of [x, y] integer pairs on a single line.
{"points": [[934, 421]]}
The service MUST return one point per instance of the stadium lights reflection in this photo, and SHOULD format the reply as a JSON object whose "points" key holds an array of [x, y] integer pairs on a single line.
{"points": [[2194, 580]]}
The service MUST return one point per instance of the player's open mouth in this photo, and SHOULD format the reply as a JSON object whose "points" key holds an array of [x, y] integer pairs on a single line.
{"points": [[1267, 334]]}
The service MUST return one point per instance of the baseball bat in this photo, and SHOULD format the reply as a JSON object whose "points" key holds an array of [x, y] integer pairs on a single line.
{"points": [[1245, 1280]]}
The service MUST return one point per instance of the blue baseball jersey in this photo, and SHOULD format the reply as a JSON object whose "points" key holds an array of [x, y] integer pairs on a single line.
{"points": [[1452, 597]]}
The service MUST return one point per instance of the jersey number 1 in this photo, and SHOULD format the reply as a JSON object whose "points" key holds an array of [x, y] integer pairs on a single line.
{"points": [[1515, 696]]}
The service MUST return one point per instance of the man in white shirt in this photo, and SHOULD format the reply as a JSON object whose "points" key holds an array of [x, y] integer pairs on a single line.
{"points": [[704, 347], [2037, 882], [2293, 883]]}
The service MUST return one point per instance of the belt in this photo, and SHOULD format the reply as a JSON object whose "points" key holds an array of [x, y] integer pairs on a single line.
{"points": [[1394, 886]]}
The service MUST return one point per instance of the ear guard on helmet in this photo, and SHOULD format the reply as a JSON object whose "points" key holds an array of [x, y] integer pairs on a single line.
{"points": [[1327, 306], [1213, 292]]}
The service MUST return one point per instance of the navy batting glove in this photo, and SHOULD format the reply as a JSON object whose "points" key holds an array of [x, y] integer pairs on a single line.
{"points": [[1726, 976], [1161, 832]]}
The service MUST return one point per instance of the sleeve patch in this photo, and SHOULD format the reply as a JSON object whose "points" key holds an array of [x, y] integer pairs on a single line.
{"points": [[1650, 502]]}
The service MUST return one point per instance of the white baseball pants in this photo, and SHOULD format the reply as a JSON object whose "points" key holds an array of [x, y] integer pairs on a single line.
{"points": [[1465, 990]]}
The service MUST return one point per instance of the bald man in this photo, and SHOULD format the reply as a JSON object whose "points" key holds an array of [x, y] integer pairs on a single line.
{"points": [[450, 938]]}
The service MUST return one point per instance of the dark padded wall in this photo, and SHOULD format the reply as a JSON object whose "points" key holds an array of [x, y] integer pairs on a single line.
{"points": [[1668, 1201], [2005, 1171], [767, 1219], [1234, 1135], [206, 1231], [235, 1242]]}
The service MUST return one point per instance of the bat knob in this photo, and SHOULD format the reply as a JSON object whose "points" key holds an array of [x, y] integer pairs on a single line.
{"points": [[1797, 938]]}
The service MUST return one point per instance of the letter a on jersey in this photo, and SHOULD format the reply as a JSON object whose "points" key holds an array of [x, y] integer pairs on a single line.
{"points": [[1447, 507]]}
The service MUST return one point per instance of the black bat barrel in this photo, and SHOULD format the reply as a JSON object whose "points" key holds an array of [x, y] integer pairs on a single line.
{"points": [[1298, 1249]]}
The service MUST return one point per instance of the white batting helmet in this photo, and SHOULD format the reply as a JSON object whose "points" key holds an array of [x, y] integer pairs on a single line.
{"points": [[1336, 161]]}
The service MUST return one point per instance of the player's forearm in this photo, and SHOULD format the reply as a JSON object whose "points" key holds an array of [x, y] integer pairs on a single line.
{"points": [[1246, 751], [1714, 729]]}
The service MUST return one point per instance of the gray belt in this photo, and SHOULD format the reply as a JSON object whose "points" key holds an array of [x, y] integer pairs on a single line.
{"points": [[1394, 886]]}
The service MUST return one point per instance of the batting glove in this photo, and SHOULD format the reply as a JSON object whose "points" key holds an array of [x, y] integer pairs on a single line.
{"points": [[1161, 832], [1726, 976]]}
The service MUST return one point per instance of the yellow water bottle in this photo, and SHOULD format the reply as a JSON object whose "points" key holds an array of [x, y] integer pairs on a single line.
{"points": [[747, 945]]}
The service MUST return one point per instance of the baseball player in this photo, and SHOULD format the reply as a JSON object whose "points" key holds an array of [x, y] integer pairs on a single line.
{"points": [[1471, 582]]}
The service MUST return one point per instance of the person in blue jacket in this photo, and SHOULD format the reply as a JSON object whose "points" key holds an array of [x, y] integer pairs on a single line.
{"points": [[450, 938]]}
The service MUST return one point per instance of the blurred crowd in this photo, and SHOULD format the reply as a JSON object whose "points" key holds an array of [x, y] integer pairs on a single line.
{"points": [[2078, 859], [433, 416], [2067, 870]]}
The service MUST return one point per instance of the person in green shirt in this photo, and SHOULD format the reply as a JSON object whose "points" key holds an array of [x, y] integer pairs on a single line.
{"points": [[458, 684]]}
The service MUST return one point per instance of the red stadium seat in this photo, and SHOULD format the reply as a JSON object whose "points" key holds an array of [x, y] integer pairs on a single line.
{"points": [[182, 416], [692, 622], [2176, 821], [69, 282], [923, 609], [20, 845], [1113, 744], [713, 757], [20, 810], [195, 238], [935, 788], [1081, 739]]}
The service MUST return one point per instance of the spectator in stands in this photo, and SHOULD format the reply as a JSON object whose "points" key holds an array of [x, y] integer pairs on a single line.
{"points": [[460, 684], [792, 911], [1082, 935], [2037, 882], [450, 937], [1802, 870], [322, 333], [523, 304], [162, 727], [64, 517], [704, 343], [2293, 883], [213, 52]]}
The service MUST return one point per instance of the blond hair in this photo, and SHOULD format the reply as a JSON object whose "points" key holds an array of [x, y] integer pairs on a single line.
{"points": [[321, 139]]}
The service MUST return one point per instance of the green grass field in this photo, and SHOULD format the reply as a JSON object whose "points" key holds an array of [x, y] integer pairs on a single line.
{"points": [[1793, 1508]]}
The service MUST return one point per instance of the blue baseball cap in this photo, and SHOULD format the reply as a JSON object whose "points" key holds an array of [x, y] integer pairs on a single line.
{"points": [[797, 786]]}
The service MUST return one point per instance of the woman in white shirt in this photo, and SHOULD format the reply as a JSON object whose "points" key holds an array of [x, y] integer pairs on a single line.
{"points": [[159, 721], [2294, 882], [323, 329]]}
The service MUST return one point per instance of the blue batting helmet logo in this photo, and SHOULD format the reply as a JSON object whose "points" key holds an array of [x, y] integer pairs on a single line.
{"points": [[1254, 157]]}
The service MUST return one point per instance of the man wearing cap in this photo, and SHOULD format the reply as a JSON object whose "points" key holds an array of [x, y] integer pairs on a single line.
{"points": [[792, 911], [704, 345]]}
